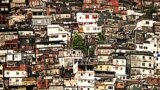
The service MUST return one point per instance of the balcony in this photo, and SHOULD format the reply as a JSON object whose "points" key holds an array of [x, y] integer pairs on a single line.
{"points": [[25, 83], [104, 75], [57, 82], [15, 84], [104, 62], [135, 72], [85, 63]]}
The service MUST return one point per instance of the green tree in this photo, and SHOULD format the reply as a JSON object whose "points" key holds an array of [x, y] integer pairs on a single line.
{"points": [[79, 43], [150, 11], [101, 38]]}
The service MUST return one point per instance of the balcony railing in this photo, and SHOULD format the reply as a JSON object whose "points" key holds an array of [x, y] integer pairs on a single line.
{"points": [[104, 62], [57, 83], [104, 75], [15, 84], [85, 63], [25, 83]]}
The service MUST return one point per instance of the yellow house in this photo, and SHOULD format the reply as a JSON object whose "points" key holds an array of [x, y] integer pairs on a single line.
{"points": [[104, 67], [101, 87]]}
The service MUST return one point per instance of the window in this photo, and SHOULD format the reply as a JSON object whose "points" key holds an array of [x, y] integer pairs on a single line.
{"points": [[150, 57], [140, 46], [17, 73], [121, 68], [60, 29], [153, 51], [154, 45], [89, 74], [87, 16], [74, 52], [15, 56], [150, 71], [94, 16], [100, 66], [147, 22], [88, 28], [156, 58], [110, 87], [81, 74], [39, 13], [1, 85], [7, 73], [17, 80], [34, 13], [150, 65], [63, 36], [0, 72], [94, 28], [143, 57], [145, 47], [2, 9], [88, 89], [143, 70], [88, 81], [6, 9], [143, 64], [54, 36], [116, 61]]}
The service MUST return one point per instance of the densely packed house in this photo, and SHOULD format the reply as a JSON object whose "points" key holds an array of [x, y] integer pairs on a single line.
{"points": [[79, 44]]}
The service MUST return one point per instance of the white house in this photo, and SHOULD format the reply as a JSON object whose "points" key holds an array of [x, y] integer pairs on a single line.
{"points": [[88, 18], [147, 23], [119, 66], [15, 81], [14, 57], [15, 73], [152, 44], [88, 22], [70, 85], [4, 53], [68, 56], [132, 12], [85, 80], [92, 29], [58, 33], [142, 63]]}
